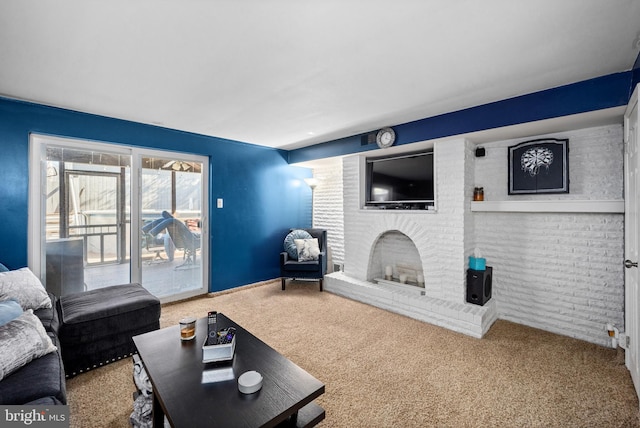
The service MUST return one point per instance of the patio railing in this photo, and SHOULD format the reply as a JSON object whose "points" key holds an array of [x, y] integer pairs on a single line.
{"points": [[99, 231]]}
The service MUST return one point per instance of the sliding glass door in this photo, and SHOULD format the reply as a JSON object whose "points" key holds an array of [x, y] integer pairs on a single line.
{"points": [[93, 231]]}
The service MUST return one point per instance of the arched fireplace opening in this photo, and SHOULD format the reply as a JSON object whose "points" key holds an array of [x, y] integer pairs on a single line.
{"points": [[395, 258]]}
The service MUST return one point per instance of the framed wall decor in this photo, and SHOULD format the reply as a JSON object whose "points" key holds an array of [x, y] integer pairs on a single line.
{"points": [[539, 166]]}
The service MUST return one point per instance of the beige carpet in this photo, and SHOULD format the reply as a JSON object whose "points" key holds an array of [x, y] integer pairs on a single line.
{"points": [[385, 370]]}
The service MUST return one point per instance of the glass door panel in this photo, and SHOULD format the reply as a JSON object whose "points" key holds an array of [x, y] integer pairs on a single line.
{"points": [[86, 206], [171, 200]]}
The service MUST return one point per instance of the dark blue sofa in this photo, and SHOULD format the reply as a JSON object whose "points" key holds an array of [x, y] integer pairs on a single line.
{"points": [[89, 329], [42, 381]]}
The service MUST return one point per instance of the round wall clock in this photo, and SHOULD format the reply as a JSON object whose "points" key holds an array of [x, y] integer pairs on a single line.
{"points": [[385, 138]]}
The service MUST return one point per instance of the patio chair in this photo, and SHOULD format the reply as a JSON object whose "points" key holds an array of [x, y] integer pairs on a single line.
{"points": [[155, 246], [181, 236], [157, 243]]}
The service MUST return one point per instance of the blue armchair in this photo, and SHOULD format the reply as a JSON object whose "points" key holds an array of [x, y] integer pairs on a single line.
{"points": [[310, 269]]}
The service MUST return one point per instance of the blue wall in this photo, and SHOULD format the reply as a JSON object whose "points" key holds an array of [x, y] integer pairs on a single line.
{"points": [[262, 194], [589, 95]]}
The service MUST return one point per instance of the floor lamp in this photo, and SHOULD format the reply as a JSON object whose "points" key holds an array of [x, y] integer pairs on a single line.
{"points": [[311, 182]]}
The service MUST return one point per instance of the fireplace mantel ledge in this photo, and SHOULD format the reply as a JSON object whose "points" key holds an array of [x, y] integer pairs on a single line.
{"points": [[551, 206]]}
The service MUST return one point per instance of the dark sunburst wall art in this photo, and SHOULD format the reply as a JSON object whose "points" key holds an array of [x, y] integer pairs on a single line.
{"points": [[539, 166]]}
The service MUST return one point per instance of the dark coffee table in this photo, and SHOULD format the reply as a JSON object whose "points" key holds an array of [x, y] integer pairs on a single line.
{"points": [[182, 394]]}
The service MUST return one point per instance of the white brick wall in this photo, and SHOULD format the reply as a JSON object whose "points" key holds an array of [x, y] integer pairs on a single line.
{"points": [[327, 209], [470, 242], [558, 272], [561, 273]]}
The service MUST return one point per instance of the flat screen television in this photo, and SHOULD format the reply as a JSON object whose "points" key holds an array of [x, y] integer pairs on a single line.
{"points": [[402, 181]]}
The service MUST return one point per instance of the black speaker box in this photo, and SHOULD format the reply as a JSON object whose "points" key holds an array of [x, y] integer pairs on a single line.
{"points": [[369, 138], [479, 286]]}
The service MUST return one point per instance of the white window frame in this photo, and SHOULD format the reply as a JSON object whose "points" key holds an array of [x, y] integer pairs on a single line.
{"points": [[37, 188]]}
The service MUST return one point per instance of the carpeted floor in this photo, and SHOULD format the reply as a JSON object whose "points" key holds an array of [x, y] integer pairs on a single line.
{"points": [[385, 370]]}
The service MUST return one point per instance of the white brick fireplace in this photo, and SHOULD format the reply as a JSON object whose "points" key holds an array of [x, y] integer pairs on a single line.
{"points": [[437, 245]]}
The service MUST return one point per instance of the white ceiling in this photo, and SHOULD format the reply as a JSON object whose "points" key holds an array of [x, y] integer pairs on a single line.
{"points": [[291, 73]]}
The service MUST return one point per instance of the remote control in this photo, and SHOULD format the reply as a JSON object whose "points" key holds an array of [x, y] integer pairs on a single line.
{"points": [[212, 328], [225, 336]]}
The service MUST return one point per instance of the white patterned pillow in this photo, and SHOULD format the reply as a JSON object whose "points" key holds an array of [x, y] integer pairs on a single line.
{"points": [[22, 341], [22, 285], [308, 249]]}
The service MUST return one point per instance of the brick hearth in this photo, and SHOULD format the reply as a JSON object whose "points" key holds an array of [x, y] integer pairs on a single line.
{"points": [[465, 318]]}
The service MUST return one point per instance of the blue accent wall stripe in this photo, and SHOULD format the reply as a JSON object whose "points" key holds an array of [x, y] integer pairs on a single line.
{"points": [[589, 95]]}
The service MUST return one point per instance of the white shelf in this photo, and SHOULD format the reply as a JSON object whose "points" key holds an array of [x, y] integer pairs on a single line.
{"points": [[561, 206]]}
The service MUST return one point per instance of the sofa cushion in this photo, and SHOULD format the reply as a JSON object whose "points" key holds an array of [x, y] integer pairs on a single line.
{"points": [[9, 310], [42, 379], [49, 316], [105, 303], [289, 242], [308, 266], [22, 340], [25, 287]]}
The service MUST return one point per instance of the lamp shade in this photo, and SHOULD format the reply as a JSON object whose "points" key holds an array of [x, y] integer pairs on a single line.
{"points": [[311, 182]]}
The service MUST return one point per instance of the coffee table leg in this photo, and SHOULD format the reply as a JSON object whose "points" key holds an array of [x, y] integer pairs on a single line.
{"points": [[158, 414]]}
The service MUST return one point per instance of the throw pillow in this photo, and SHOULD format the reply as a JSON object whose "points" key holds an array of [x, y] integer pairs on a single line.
{"points": [[3, 268], [290, 245], [9, 310], [308, 249], [23, 286], [22, 340]]}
